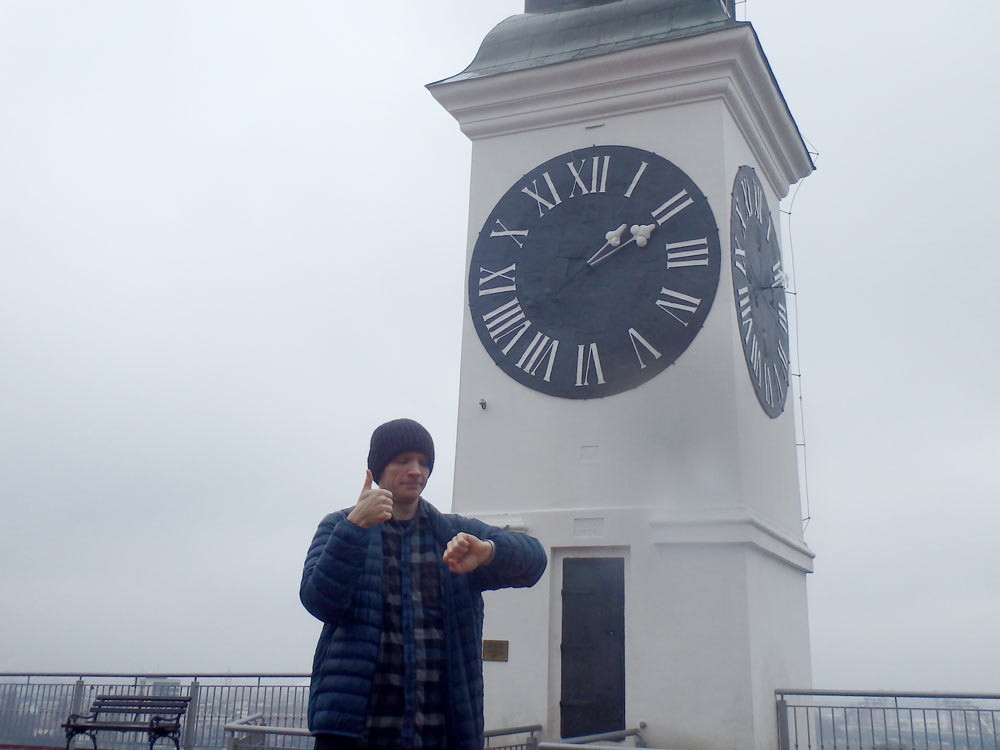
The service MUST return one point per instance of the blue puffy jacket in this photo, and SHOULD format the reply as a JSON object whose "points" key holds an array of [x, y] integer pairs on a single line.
{"points": [[342, 586]]}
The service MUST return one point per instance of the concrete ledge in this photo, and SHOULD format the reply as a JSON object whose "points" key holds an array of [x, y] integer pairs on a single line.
{"points": [[727, 64], [733, 526]]}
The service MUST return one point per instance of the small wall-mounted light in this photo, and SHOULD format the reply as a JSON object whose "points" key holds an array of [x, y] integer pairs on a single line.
{"points": [[482, 403]]}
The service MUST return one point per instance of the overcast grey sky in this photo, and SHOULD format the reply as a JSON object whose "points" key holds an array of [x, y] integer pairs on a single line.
{"points": [[232, 240]]}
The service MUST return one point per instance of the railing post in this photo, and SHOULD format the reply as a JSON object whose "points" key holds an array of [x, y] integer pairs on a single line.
{"points": [[77, 702], [784, 741], [191, 723]]}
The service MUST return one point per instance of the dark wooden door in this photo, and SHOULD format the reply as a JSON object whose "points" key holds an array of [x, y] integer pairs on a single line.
{"points": [[593, 646]]}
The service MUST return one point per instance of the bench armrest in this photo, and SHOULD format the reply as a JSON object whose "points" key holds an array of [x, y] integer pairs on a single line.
{"points": [[157, 720], [76, 718]]}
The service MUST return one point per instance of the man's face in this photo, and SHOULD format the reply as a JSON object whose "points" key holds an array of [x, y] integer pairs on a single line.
{"points": [[405, 476]]}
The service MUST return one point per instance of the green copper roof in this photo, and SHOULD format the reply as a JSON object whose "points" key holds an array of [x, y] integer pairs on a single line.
{"points": [[554, 31]]}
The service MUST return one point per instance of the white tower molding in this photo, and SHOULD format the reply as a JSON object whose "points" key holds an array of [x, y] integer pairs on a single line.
{"points": [[683, 478]]}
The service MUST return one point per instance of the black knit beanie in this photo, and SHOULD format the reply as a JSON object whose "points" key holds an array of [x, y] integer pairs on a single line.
{"points": [[395, 437]]}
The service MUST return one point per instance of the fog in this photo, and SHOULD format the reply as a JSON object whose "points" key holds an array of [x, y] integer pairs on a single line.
{"points": [[231, 243]]}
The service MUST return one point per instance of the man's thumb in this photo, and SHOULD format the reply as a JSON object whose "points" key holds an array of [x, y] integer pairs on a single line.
{"points": [[368, 480]]}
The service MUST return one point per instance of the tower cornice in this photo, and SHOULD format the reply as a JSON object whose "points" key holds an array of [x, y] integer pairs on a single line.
{"points": [[726, 64]]}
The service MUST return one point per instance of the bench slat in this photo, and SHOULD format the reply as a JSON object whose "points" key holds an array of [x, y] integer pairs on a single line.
{"points": [[165, 708], [123, 726], [143, 698], [141, 706], [146, 700]]}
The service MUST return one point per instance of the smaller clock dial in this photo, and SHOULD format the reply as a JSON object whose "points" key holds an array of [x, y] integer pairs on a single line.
{"points": [[594, 272], [759, 292]]}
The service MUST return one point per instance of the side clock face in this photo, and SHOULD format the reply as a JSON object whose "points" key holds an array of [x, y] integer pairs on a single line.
{"points": [[594, 272], [759, 291]]}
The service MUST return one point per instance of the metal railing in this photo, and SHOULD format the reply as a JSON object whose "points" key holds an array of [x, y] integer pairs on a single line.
{"points": [[244, 711], [494, 739], [589, 739], [32, 706], [862, 720], [249, 732]]}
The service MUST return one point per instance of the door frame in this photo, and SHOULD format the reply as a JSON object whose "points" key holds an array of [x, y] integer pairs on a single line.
{"points": [[556, 558]]}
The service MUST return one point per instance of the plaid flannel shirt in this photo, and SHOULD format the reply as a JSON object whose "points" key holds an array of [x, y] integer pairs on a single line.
{"points": [[409, 697]]}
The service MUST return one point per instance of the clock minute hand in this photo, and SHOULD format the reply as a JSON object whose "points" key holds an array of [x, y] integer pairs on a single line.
{"points": [[614, 239], [640, 236]]}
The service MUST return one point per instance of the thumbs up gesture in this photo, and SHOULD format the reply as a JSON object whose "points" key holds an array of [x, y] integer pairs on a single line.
{"points": [[374, 505]]}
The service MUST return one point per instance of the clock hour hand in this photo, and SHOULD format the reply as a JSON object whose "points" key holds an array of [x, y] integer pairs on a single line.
{"points": [[614, 239], [778, 279], [640, 236]]}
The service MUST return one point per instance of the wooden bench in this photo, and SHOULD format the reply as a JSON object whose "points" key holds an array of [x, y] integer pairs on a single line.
{"points": [[157, 716]]}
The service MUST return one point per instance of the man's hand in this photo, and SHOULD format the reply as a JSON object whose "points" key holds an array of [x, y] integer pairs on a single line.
{"points": [[465, 553], [374, 506]]}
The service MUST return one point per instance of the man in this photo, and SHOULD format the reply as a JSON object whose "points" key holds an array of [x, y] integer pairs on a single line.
{"points": [[398, 586]]}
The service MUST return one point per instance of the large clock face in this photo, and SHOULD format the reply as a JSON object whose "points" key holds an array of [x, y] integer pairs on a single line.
{"points": [[759, 291], [594, 272]]}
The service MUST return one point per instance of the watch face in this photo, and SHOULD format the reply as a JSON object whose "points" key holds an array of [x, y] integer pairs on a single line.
{"points": [[594, 272], [759, 291]]}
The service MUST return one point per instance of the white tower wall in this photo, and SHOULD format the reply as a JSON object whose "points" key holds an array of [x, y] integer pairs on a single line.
{"points": [[685, 477]]}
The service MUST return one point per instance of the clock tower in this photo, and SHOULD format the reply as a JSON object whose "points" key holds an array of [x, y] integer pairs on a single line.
{"points": [[625, 369]]}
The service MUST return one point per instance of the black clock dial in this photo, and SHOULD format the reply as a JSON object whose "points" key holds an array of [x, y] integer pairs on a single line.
{"points": [[759, 292], [594, 272]]}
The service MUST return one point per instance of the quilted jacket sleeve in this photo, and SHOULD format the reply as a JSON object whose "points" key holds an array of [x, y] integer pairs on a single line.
{"points": [[333, 566], [519, 560]]}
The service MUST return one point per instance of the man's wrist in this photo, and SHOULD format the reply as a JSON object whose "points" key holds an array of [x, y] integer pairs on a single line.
{"points": [[493, 551]]}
